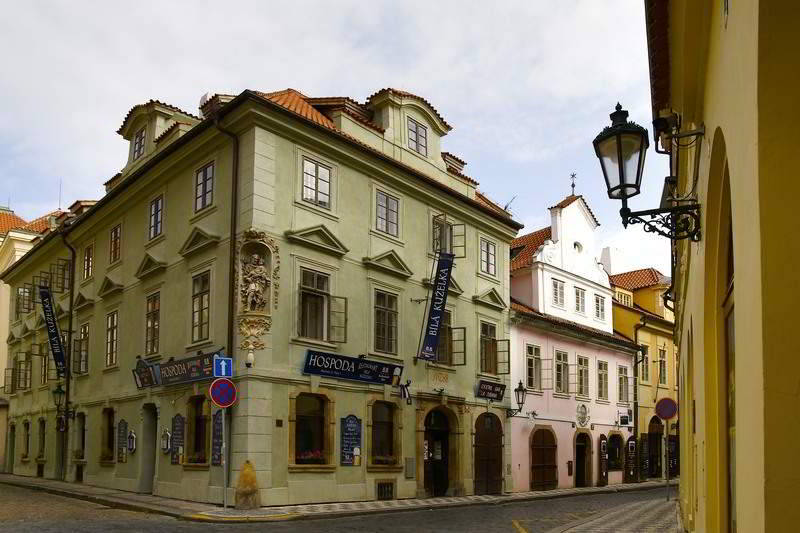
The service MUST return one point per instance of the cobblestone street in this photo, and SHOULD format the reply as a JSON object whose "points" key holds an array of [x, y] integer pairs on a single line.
{"points": [[25, 510]]}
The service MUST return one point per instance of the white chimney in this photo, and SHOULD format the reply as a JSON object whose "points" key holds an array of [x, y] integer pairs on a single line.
{"points": [[610, 258]]}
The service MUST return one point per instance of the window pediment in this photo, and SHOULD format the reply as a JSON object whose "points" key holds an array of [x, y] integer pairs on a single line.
{"points": [[198, 240], [148, 266], [490, 298], [319, 237], [82, 301], [108, 287], [389, 262]]}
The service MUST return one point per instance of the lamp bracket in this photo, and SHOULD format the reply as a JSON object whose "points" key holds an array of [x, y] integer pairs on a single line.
{"points": [[675, 223]]}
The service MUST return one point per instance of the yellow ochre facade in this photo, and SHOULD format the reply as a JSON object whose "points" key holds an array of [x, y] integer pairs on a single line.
{"points": [[732, 68]]}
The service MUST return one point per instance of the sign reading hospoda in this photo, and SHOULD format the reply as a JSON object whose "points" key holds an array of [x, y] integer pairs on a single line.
{"points": [[342, 367], [441, 284]]}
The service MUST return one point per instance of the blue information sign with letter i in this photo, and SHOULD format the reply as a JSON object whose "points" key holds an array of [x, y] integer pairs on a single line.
{"points": [[223, 367]]}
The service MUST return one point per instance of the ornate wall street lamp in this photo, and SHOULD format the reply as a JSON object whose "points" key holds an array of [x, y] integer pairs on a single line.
{"points": [[621, 149], [62, 411], [519, 396]]}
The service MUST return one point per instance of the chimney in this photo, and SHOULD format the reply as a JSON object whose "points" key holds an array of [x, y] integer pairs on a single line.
{"points": [[609, 257]]}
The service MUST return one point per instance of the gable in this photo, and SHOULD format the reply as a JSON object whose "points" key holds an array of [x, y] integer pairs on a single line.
{"points": [[389, 262], [148, 266], [196, 241], [318, 237], [108, 286], [490, 298], [82, 301], [454, 287]]}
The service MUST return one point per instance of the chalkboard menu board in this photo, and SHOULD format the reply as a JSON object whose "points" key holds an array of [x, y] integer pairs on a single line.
{"points": [[216, 439], [351, 441], [122, 441], [178, 434]]}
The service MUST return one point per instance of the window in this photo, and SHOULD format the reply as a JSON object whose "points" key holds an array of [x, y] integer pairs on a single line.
{"points": [[152, 323], [204, 187], [201, 289], [417, 137], [580, 300], [602, 380], [442, 235], [488, 254], [444, 352], [23, 302], [43, 358], [82, 350], [562, 370], [316, 183], [115, 244], [112, 337], [314, 292], [156, 217], [386, 213], [488, 348], [198, 430], [615, 457], [88, 261], [385, 322], [138, 144], [583, 376], [623, 384], [107, 436], [80, 433], [599, 307], [42, 435], [533, 374], [309, 438], [645, 364], [26, 443], [383, 434], [558, 293], [662, 366], [624, 299]]}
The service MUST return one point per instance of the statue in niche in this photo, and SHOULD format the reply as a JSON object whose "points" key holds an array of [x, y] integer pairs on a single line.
{"points": [[255, 283]]}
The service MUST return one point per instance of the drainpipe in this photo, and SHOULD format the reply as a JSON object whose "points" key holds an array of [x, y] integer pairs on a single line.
{"points": [[232, 259], [642, 323], [68, 361]]}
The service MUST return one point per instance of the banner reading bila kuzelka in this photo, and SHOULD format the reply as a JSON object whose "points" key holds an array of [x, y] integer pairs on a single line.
{"points": [[53, 335], [441, 283]]}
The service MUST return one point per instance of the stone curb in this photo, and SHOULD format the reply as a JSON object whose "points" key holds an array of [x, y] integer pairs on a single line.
{"points": [[118, 503]]}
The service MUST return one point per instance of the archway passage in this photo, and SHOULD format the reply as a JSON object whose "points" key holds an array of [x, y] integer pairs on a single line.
{"points": [[544, 469], [148, 448], [11, 449], [436, 453], [655, 437], [583, 455], [488, 455]]}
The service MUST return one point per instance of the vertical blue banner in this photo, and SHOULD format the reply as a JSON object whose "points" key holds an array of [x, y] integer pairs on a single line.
{"points": [[53, 335], [441, 283]]}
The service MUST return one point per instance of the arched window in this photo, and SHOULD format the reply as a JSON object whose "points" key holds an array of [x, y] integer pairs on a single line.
{"points": [[615, 455], [383, 452], [309, 438]]}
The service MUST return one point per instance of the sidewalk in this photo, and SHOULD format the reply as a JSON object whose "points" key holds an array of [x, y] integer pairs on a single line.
{"points": [[186, 510]]}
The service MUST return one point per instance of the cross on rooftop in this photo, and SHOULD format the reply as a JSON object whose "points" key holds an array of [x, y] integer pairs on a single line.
{"points": [[573, 177]]}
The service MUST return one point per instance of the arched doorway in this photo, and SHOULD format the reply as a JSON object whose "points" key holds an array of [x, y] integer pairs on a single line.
{"points": [[544, 469], [583, 460], [436, 452], [488, 455], [148, 448], [655, 438]]}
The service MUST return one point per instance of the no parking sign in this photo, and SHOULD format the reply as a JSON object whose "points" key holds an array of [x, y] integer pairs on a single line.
{"points": [[223, 392]]}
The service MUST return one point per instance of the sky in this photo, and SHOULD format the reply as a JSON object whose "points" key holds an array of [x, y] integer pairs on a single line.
{"points": [[526, 86]]}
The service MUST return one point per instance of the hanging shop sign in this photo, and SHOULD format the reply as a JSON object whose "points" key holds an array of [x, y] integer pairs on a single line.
{"points": [[441, 284], [491, 390], [178, 433], [216, 439], [131, 442], [195, 368], [144, 375], [351, 368], [166, 441], [53, 335], [350, 441], [122, 441]]}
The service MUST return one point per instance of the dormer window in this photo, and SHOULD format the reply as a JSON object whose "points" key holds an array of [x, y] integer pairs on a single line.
{"points": [[138, 144], [417, 137]]}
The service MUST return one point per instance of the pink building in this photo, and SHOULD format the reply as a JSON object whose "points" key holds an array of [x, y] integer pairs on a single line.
{"points": [[575, 425]]}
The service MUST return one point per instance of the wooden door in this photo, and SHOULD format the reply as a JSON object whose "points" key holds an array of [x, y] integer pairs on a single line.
{"points": [[488, 455], [544, 469]]}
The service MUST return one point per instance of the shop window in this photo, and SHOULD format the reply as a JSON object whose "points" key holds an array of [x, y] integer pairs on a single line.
{"points": [[383, 452], [309, 438], [615, 452], [107, 436], [197, 431]]}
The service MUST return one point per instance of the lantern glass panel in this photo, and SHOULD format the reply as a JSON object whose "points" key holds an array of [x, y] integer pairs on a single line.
{"points": [[631, 148], [607, 149]]}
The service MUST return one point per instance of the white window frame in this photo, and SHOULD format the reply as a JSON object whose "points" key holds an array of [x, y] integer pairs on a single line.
{"points": [[490, 254], [396, 296], [418, 147], [602, 380], [561, 385], [663, 372], [389, 197], [599, 307], [315, 200], [644, 376], [622, 371], [558, 292], [582, 388], [137, 147], [580, 300], [112, 338], [533, 366]]}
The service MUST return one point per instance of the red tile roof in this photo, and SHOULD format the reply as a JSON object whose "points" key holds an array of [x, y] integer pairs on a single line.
{"points": [[571, 199], [9, 220], [637, 279], [296, 102], [529, 244], [482, 198], [525, 310], [41, 224], [407, 94]]}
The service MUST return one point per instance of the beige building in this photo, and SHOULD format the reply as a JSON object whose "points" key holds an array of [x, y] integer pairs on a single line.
{"points": [[298, 235]]}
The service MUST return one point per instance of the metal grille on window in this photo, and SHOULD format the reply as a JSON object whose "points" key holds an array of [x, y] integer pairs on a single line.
{"points": [[59, 275], [385, 490]]}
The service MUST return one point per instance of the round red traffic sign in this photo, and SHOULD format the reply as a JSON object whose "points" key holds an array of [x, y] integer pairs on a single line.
{"points": [[666, 408], [223, 392]]}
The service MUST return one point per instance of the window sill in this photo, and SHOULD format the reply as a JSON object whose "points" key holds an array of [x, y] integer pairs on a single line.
{"points": [[312, 468], [81, 375], [198, 344], [317, 210], [383, 355], [113, 266], [203, 213], [602, 401], [314, 343], [195, 466], [562, 395], [623, 404], [107, 463], [153, 357], [40, 460], [384, 468], [86, 281], [112, 368], [535, 392], [487, 277], [387, 236], [583, 398], [440, 366], [154, 241], [24, 459], [79, 461], [493, 377]]}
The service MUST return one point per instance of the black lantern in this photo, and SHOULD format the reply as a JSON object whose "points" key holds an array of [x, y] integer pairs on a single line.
{"points": [[519, 396], [58, 396], [621, 149]]}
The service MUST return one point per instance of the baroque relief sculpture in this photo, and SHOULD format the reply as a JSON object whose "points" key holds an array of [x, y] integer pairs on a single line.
{"points": [[257, 281], [255, 284]]}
